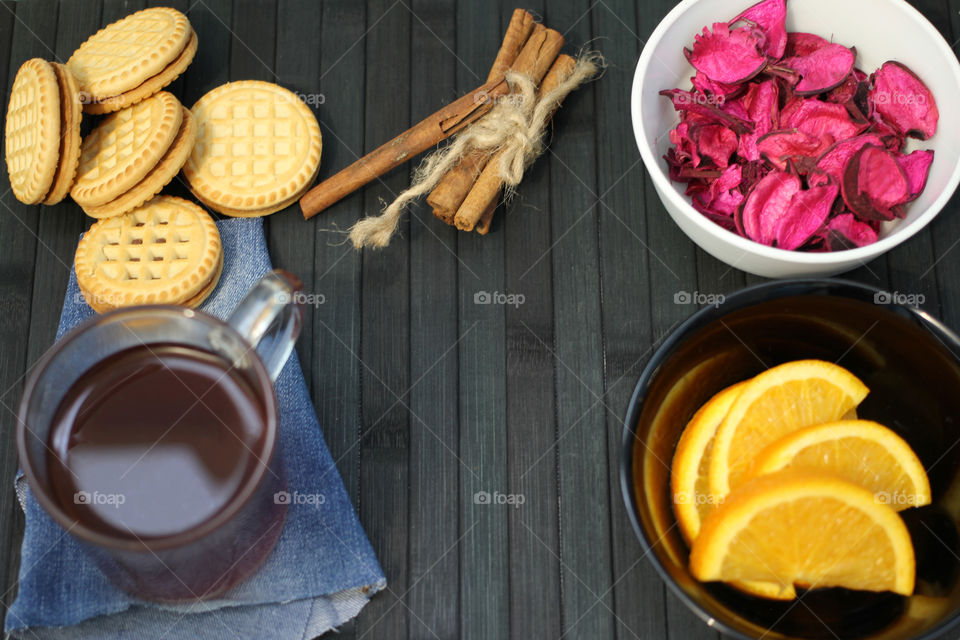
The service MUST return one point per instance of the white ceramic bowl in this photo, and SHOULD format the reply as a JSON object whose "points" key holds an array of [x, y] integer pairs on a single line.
{"points": [[881, 30]]}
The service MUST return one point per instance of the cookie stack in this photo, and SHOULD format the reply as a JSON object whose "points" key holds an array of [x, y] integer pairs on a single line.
{"points": [[132, 155], [257, 151], [42, 132], [131, 59], [167, 251]]}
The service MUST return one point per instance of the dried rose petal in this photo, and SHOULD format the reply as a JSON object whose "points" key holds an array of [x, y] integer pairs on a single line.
{"points": [[777, 147], [834, 160], [874, 185], [846, 232], [722, 197], [822, 66], [801, 44], [771, 16], [904, 101], [699, 104], [728, 55], [715, 142], [718, 91], [824, 120], [916, 166], [806, 214], [761, 102], [766, 203]]}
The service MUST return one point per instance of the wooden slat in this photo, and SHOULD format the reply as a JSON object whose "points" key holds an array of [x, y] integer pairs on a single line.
{"points": [[586, 568], [434, 461], [484, 550], [625, 269], [672, 270], [535, 609], [30, 32], [291, 238], [336, 368], [385, 338]]}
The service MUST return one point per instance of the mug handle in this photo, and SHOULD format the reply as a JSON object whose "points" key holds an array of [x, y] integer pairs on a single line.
{"points": [[269, 319]]}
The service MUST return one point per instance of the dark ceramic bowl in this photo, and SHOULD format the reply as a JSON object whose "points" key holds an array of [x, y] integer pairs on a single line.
{"points": [[910, 362]]}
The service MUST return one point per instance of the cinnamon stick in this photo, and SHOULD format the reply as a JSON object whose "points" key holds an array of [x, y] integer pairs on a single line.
{"points": [[425, 134], [534, 60], [486, 190], [447, 196], [483, 226]]}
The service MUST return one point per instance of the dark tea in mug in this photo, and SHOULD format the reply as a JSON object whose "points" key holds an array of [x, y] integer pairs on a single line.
{"points": [[154, 440]]}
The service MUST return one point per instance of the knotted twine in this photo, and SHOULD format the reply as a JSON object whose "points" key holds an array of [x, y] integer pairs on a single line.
{"points": [[515, 126]]}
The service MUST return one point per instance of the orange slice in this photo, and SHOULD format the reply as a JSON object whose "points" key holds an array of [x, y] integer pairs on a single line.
{"points": [[863, 452], [691, 462], [688, 478], [771, 405], [804, 527]]}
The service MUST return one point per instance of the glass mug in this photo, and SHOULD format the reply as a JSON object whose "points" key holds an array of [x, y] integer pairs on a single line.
{"points": [[150, 435]]}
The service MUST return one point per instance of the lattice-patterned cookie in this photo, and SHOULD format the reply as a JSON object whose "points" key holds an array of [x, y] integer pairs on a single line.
{"points": [[33, 131], [161, 175], [258, 147], [124, 54], [149, 86], [125, 147], [70, 117], [167, 251]]}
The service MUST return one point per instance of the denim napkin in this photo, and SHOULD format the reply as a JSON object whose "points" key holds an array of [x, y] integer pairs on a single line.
{"points": [[320, 574]]}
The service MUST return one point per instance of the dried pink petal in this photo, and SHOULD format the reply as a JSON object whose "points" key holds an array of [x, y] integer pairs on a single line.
{"points": [[771, 17], [722, 197], [823, 68], [761, 103], [846, 232], [806, 214], [717, 91], [916, 166], [766, 203], [728, 55], [825, 120], [777, 147], [874, 185], [715, 142], [834, 160], [697, 103], [904, 101]]}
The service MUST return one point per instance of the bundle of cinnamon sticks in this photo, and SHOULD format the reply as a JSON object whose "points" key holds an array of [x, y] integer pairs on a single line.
{"points": [[468, 194]]}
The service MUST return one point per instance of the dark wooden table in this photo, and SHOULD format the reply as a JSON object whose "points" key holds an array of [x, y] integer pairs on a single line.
{"points": [[427, 397]]}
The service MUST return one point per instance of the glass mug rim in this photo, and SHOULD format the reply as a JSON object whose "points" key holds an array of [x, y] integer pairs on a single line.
{"points": [[741, 299], [251, 482]]}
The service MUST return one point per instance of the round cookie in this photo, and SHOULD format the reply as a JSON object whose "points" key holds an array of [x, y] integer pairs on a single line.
{"points": [[125, 147], [149, 86], [165, 252], [161, 175], [124, 54], [258, 146], [70, 117], [33, 131]]}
